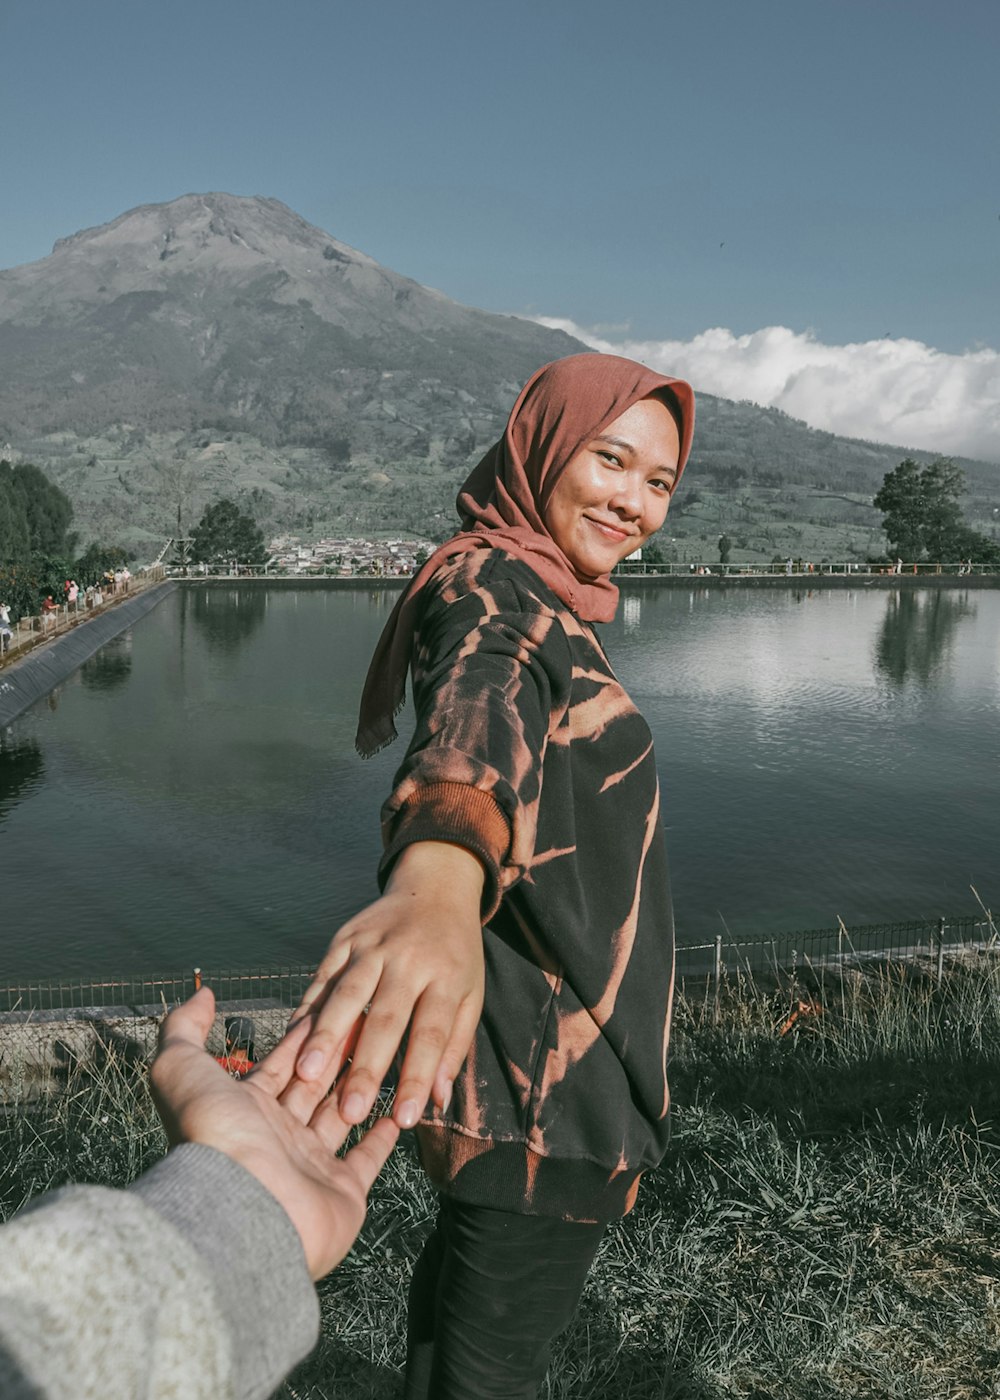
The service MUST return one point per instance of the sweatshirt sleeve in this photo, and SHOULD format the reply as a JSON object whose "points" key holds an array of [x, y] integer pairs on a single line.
{"points": [[191, 1282], [491, 681]]}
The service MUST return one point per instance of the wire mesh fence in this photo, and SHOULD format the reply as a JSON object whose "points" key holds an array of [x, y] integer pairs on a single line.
{"points": [[784, 953], [934, 938], [45, 998]]}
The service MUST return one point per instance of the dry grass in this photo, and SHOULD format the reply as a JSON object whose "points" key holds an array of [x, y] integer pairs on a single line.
{"points": [[826, 1224]]}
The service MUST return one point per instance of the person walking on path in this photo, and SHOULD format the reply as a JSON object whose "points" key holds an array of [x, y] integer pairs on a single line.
{"points": [[522, 947]]}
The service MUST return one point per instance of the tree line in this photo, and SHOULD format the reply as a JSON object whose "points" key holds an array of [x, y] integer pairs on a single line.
{"points": [[922, 519], [38, 547]]}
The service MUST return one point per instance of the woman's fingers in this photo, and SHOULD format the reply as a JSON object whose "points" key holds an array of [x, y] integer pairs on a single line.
{"points": [[456, 1050], [336, 960], [336, 1018], [431, 1033], [381, 1036]]}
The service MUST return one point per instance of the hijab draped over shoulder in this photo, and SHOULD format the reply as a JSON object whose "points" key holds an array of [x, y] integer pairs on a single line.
{"points": [[561, 408]]}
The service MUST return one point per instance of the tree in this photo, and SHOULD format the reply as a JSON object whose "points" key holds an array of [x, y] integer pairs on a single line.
{"points": [[921, 510], [48, 510], [15, 536], [34, 514], [96, 560], [725, 549], [223, 533]]}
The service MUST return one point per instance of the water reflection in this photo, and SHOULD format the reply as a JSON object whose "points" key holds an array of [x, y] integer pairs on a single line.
{"points": [[111, 666], [631, 612], [917, 632], [21, 768], [212, 809], [226, 617]]}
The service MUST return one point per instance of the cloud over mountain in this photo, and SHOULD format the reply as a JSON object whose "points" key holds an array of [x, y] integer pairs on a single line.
{"points": [[898, 391]]}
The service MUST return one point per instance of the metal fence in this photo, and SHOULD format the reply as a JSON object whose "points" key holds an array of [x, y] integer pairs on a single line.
{"points": [[798, 950], [935, 939], [46, 998], [803, 571], [29, 631]]}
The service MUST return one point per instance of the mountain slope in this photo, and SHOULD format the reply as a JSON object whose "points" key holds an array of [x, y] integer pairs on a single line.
{"points": [[221, 311], [218, 344]]}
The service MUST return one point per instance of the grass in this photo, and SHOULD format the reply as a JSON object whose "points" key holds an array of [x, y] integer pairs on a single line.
{"points": [[826, 1224]]}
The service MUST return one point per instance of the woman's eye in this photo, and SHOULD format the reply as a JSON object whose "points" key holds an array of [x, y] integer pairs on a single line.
{"points": [[610, 458]]}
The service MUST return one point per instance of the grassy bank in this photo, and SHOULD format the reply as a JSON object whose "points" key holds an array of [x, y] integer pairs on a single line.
{"points": [[827, 1223]]}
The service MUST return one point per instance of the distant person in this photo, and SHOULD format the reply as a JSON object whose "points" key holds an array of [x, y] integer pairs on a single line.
{"points": [[522, 950], [788, 566], [196, 1280], [5, 633], [72, 594], [898, 569], [50, 611]]}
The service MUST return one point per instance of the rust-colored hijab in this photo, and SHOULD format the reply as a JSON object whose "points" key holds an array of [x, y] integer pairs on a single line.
{"points": [[562, 406]]}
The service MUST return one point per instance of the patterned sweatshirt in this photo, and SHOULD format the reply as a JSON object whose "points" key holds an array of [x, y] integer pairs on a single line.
{"points": [[528, 752]]}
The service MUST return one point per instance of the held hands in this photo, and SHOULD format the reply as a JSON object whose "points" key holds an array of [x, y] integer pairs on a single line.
{"points": [[414, 961], [289, 1147]]}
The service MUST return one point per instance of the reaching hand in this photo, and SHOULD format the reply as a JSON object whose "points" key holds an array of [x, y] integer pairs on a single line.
{"points": [[289, 1143], [410, 965]]}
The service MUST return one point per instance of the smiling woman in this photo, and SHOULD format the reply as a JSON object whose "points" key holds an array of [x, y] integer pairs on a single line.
{"points": [[614, 493], [522, 949]]}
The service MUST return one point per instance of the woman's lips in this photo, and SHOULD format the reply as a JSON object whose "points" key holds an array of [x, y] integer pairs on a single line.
{"points": [[609, 531]]}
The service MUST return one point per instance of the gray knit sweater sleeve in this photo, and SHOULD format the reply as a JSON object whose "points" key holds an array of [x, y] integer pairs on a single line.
{"points": [[190, 1283]]}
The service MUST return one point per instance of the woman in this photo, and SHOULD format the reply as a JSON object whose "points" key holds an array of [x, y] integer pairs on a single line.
{"points": [[523, 854]]}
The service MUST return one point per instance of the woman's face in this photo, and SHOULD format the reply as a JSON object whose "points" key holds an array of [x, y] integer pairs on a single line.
{"points": [[614, 493]]}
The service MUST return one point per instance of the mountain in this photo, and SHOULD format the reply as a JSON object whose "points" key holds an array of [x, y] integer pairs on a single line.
{"points": [[223, 345]]}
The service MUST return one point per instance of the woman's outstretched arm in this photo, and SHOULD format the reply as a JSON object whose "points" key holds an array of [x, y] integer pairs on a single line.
{"points": [[412, 959]]}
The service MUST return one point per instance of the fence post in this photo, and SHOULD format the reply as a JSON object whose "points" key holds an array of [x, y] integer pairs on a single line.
{"points": [[718, 972], [940, 949]]}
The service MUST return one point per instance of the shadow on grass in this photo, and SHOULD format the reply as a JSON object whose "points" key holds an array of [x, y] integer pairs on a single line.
{"points": [[857, 1064], [355, 1378]]}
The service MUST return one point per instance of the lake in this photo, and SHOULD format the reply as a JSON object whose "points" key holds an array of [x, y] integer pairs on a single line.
{"points": [[192, 794]]}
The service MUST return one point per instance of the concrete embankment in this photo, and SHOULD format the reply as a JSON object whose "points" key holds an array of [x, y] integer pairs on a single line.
{"points": [[628, 582], [806, 583], [41, 1051], [32, 677]]}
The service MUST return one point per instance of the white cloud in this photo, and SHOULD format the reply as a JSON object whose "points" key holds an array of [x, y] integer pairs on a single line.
{"points": [[893, 391]]}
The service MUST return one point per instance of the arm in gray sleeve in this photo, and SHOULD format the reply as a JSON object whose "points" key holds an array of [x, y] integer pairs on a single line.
{"points": [[191, 1282]]}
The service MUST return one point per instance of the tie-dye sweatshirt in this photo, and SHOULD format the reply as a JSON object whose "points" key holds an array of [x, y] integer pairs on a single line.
{"points": [[528, 752]]}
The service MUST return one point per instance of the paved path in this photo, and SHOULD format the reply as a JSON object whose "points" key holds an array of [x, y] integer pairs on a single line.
{"points": [[26, 638]]}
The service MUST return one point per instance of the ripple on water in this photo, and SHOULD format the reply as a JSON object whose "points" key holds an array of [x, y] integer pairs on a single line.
{"points": [[203, 803]]}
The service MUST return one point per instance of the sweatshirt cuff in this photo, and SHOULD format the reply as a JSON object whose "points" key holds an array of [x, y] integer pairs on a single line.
{"points": [[251, 1250], [459, 814]]}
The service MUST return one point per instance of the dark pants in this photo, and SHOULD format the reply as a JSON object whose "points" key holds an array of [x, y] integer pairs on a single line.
{"points": [[489, 1293]]}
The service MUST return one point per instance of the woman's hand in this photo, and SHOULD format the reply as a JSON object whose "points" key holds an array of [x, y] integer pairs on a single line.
{"points": [[414, 960]]}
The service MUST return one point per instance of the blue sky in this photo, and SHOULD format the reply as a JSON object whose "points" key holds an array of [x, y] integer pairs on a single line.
{"points": [[643, 171]]}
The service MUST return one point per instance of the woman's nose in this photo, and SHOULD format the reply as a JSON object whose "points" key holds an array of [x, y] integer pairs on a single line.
{"points": [[627, 498]]}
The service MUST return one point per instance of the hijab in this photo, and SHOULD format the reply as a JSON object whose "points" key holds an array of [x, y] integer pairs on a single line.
{"points": [[502, 504]]}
